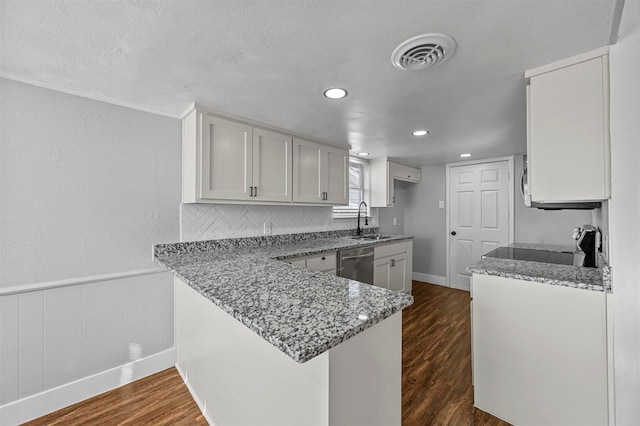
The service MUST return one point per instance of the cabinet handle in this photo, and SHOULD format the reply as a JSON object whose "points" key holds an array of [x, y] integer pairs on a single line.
{"points": [[324, 258], [251, 191], [393, 262], [255, 191]]}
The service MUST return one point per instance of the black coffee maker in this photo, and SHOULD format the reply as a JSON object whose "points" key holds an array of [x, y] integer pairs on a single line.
{"points": [[588, 242]]}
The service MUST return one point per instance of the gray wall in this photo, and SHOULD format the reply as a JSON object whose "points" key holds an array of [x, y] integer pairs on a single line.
{"points": [[386, 214], [426, 222]]}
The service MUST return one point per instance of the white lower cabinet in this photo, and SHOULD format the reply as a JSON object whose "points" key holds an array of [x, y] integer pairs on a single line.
{"points": [[322, 262], [392, 266], [539, 352]]}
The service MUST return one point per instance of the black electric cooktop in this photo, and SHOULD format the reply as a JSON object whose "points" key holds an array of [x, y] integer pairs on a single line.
{"points": [[557, 257]]}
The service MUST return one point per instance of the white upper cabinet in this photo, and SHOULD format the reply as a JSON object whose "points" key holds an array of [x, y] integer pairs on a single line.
{"points": [[226, 160], [272, 166], [320, 173], [337, 176], [230, 161], [568, 130], [383, 174], [307, 186], [382, 190], [406, 173]]}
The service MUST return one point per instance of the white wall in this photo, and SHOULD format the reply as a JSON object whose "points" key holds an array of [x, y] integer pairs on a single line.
{"points": [[86, 188], [624, 212]]}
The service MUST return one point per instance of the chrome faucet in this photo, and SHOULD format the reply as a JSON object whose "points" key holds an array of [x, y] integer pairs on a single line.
{"points": [[366, 219]]}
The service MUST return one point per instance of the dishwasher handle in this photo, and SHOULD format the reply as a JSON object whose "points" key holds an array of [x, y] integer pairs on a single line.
{"points": [[358, 256]]}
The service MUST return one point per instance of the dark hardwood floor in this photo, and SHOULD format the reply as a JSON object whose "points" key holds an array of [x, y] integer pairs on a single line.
{"points": [[436, 360], [436, 376]]}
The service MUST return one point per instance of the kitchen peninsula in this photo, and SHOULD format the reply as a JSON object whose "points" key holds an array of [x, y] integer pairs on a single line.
{"points": [[260, 341], [540, 338]]}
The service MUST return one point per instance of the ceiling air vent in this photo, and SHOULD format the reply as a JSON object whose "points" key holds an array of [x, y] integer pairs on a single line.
{"points": [[423, 51]]}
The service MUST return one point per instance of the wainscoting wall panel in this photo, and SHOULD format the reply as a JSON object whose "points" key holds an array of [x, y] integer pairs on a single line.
{"points": [[56, 336]]}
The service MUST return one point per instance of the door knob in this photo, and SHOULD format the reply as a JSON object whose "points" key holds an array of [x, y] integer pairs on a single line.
{"points": [[453, 233]]}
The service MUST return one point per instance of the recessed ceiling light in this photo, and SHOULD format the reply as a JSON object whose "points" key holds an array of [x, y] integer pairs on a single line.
{"points": [[363, 154], [335, 93], [420, 132], [465, 155]]}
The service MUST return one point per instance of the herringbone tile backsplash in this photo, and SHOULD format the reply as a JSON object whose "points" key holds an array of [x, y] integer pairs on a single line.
{"points": [[218, 221]]}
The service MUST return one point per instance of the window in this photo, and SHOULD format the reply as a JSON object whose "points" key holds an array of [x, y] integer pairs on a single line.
{"points": [[356, 191]]}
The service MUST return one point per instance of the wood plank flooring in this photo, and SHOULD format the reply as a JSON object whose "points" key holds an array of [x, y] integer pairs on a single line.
{"points": [[436, 376], [161, 399], [436, 360]]}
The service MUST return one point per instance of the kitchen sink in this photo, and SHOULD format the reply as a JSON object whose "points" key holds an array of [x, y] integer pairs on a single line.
{"points": [[370, 237]]}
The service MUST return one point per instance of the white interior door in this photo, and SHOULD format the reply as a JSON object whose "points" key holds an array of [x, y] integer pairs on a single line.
{"points": [[479, 210]]}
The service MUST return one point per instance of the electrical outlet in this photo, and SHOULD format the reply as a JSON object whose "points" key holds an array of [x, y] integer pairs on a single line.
{"points": [[441, 204], [268, 228], [395, 221]]}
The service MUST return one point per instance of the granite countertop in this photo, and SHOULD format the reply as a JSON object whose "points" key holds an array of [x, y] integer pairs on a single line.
{"points": [[595, 279], [301, 312]]}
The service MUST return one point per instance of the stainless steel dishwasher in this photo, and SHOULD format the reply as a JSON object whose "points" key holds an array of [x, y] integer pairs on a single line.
{"points": [[356, 264]]}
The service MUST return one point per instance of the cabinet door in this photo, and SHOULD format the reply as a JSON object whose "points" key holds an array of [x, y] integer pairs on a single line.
{"points": [[568, 135], [272, 166], [336, 176], [226, 159], [381, 270], [398, 273], [307, 166], [382, 191], [403, 172]]}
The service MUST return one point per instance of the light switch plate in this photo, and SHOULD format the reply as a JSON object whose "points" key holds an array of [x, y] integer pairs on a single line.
{"points": [[441, 204]]}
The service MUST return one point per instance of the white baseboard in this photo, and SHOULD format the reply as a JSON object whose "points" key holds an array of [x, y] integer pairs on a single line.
{"points": [[51, 400], [460, 288], [201, 405], [431, 279]]}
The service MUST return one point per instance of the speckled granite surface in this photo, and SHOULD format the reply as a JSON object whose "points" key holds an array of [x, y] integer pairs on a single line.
{"points": [[595, 279], [234, 243], [301, 312]]}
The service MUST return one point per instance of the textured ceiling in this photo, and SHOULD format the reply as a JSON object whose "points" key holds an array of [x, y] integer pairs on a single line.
{"points": [[270, 60]]}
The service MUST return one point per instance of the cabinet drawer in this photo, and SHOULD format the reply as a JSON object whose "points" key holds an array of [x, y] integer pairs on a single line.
{"points": [[297, 261], [323, 262], [389, 250]]}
